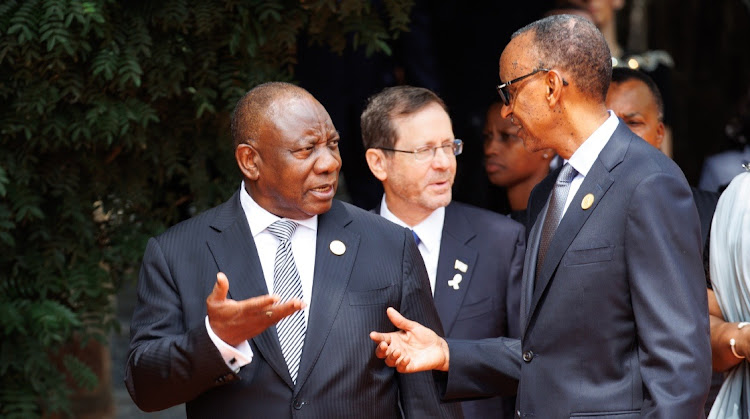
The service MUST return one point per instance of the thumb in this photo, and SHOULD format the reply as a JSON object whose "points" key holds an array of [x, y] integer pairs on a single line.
{"points": [[400, 321], [221, 288]]}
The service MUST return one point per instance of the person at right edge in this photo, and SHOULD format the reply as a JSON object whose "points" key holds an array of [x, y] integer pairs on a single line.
{"points": [[728, 302], [614, 317]]}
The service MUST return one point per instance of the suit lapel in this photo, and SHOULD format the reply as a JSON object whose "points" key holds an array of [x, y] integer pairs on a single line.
{"points": [[597, 182], [236, 255], [457, 232], [331, 278]]}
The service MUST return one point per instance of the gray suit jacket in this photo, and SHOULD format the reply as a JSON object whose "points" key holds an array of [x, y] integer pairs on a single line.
{"points": [[617, 325], [172, 359]]}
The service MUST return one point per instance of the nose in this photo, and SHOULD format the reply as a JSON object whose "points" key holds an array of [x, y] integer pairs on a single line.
{"points": [[492, 146], [328, 161], [506, 110], [443, 157]]}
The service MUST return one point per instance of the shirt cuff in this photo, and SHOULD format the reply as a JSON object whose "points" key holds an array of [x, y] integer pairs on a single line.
{"points": [[235, 357]]}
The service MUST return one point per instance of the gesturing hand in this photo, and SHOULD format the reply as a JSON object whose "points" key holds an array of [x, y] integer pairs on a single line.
{"points": [[237, 321], [414, 348]]}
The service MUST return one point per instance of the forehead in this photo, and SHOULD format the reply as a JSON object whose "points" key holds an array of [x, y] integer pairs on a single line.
{"points": [[429, 124], [297, 117], [516, 57], [630, 93]]}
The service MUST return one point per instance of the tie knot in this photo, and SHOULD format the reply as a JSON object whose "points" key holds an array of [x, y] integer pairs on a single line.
{"points": [[566, 174], [416, 238], [282, 229]]}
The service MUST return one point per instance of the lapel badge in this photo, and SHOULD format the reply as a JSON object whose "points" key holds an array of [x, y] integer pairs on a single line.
{"points": [[337, 247], [455, 281], [588, 200], [460, 266]]}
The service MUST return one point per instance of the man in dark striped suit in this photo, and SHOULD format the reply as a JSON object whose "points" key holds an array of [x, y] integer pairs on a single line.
{"points": [[261, 307]]}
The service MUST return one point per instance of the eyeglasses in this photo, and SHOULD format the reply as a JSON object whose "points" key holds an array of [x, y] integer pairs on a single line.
{"points": [[428, 152], [502, 89]]}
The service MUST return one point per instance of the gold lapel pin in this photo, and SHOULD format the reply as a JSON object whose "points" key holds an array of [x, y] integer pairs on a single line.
{"points": [[337, 247], [588, 201], [460, 266]]}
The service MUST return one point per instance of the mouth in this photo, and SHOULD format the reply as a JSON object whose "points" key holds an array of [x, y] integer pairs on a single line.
{"points": [[493, 166], [442, 184], [326, 191]]}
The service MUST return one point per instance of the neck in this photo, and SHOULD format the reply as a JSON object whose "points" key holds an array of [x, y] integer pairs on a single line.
{"points": [[407, 212], [518, 194], [578, 124]]}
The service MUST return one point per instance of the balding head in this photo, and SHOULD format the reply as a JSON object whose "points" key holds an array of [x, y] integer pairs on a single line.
{"points": [[575, 45], [258, 106]]}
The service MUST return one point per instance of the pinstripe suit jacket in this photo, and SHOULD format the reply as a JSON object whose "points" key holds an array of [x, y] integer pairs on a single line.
{"points": [[172, 359]]}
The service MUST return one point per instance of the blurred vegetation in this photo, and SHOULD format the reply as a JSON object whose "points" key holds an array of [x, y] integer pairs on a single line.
{"points": [[114, 125]]}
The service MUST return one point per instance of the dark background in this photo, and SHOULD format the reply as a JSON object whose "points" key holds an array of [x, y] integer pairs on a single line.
{"points": [[453, 48]]}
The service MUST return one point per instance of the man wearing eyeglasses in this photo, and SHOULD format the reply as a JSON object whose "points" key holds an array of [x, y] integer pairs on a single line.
{"points": [[614, 320], [473, 257]]}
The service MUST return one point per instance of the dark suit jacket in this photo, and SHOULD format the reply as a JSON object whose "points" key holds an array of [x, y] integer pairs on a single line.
{"points": [[172, 359], [486, 303], [617, 324]]}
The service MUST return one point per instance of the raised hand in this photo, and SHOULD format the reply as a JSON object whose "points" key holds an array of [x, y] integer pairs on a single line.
{"points": [[414, 348], [237, 321]]}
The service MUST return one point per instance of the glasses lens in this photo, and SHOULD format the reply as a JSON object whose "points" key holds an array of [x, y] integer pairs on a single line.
{"points": [[424, 153], [458, 147], [503, 94]]}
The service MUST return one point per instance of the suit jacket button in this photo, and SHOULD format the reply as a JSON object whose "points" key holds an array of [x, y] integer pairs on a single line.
{"points": [[528, 356], [298, 404]]}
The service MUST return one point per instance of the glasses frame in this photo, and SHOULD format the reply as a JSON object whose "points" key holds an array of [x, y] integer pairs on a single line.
{"points": [[456, 145], [502, 88]]}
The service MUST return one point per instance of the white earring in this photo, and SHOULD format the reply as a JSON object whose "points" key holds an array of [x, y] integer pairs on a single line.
{"points": [[545, 155]]}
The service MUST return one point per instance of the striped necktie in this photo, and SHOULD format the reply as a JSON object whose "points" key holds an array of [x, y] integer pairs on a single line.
{"points": [[287, 284], [554, 213]]}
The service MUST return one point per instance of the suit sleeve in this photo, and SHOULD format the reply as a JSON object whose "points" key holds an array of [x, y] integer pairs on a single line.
{"points": [[668, 292], [483, 368], [513, 292], [167, 364], [419, 394]]}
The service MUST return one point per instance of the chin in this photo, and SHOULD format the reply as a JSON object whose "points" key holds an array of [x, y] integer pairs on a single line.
{"points": [[319, 208]]}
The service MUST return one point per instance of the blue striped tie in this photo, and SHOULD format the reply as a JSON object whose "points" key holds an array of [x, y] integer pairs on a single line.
{"points": [[287, 285]]}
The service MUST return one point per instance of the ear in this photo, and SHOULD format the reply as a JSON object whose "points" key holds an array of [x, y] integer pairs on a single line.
{"points": [[553, 83], [660, 132], [548, 154], [246, 157], [377, 163], [617, 5]]}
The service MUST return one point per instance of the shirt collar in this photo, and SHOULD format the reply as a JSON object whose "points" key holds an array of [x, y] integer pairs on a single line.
{"points": [[259, 218], [430, 230], [585, 156]]}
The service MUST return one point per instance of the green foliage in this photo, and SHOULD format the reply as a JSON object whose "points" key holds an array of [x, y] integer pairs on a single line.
{"points": [[113, 125]]}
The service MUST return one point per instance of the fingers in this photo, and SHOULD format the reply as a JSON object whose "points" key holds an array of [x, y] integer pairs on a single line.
{"points": [[400, 321], [279, 311], [221, 288], [378, 337]]}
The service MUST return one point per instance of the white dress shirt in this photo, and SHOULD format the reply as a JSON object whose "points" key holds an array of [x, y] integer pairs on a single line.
{"points": [[588, 152], [303, 249], [429, 231]]}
